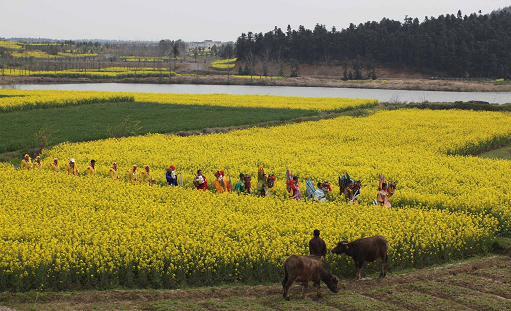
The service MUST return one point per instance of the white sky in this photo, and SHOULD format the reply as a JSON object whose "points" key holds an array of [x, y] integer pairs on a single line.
{"points": [[205, 19]]}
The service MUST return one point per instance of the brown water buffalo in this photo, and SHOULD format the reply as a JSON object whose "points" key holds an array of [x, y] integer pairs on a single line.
{"points": [[304, 269], [365, 250]]}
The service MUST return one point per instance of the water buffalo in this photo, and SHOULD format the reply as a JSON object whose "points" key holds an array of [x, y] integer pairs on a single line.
{"points": [[304, 269], [365, 250]]}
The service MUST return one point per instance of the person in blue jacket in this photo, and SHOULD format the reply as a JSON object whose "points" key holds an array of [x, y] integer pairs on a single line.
{"points": [[171, 176]]}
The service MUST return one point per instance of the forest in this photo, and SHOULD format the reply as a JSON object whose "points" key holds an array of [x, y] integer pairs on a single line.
{"points": [[462, 46]]}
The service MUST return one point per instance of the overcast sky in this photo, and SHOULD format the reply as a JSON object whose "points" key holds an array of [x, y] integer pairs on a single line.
{"points": [[205, 19]]}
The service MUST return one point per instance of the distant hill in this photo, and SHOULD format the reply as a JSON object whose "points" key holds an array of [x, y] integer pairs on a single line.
{"points": [[465, 46]]}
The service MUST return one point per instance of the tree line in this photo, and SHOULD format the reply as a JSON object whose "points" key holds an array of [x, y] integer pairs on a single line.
{"points": [[464, 46]]}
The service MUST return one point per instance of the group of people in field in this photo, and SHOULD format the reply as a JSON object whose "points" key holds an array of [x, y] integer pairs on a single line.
{"points": [[320, 191], [133, 174], [265, 187]]}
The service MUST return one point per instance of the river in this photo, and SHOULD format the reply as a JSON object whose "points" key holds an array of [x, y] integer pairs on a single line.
{"points": [[378, 94]]}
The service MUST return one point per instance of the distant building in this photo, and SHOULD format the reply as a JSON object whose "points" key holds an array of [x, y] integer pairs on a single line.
{"points": [[206, 44]]}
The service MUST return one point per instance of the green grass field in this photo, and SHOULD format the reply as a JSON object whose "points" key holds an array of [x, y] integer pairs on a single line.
{"points": [[19, 130], [476, 284], [503, 153]]}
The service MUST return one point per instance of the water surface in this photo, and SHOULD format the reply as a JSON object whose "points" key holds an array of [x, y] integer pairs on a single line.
{"points": [[378, 94]]}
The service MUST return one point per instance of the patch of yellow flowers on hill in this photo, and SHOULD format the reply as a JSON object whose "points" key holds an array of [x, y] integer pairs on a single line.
{"points": [[224, 64], [16, 100], [60, 231], [43, 55], [92, 73], [412, 147]]}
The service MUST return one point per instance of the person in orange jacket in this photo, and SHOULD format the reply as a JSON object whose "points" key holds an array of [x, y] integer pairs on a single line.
{"points": [[222, 183]]}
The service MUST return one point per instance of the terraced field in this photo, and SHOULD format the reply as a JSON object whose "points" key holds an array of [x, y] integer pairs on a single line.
{"points": [[61, 232]]}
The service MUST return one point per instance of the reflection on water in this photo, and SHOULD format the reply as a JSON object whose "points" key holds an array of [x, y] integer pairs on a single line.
{"points": [[381, 95]]}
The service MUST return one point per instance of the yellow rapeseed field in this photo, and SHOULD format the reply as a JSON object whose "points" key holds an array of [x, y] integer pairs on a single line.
{"points": [[9, 45], [93, 73], [413, 147], [224, 64], [43, 55], [21, 99], [62, 231], [255, 101], [18, 100]]}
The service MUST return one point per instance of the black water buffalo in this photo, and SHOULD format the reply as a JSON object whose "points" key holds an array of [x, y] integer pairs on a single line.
{"points": [[365, 250], [304, 269]]}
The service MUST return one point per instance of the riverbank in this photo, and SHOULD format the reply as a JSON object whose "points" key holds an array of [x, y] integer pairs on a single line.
{"points": [[389, 84]]}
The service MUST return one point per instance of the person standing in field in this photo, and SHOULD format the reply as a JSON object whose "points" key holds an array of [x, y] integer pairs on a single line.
{"points": [[309, 189], [133, 174], [146, 176], [222, 183], [114, 171], [270, 185], [38, 164], [317, 247], [319, 194], [200, 182], [26, 163], [295, 189], [289, 180], [91, 170], [261, 182], [382, 197], [171, 176], [72, 169], [54, 166], [326, 188], [227, 181], [240, 185]]}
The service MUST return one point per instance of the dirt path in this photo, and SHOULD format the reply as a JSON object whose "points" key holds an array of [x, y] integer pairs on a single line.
{"points": [[477, 284]]}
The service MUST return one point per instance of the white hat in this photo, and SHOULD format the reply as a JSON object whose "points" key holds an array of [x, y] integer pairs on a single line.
{"points": [[72, 160]]}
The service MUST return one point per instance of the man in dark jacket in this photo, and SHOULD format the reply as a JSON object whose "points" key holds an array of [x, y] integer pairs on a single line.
{"points": [[317, 247]]}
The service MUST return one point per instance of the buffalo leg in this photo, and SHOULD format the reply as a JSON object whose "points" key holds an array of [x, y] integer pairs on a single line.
{"points": [[384, 266], [318, 291], [287, 286], [284, 282], [305, 285], [360, 265]]}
